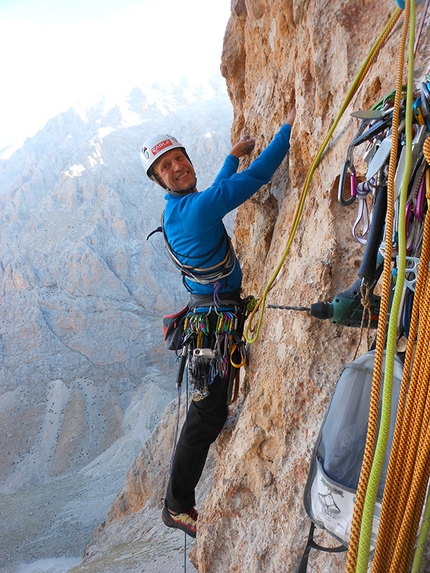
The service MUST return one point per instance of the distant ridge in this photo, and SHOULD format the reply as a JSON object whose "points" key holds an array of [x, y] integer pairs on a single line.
{"points": [[84, 376]]}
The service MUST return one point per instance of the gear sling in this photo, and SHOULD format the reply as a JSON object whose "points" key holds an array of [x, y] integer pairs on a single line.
{"points": [[203, 275]]}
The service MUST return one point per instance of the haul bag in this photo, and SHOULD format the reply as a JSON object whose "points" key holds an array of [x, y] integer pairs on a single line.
{"points": [[338, 453]]}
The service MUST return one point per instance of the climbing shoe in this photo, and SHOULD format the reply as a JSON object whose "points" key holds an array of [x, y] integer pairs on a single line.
{"points": [[185, 521]]}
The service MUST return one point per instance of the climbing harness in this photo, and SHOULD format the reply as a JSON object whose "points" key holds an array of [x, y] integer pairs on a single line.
{"points": [[202, 274]]}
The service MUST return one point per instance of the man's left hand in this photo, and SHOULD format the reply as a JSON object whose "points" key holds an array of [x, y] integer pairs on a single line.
{"points": [[244, 146]]}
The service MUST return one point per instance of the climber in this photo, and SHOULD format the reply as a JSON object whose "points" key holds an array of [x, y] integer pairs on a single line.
{"points": [[196, 237]]}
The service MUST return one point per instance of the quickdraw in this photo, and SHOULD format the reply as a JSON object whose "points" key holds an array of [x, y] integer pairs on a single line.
{"points": [[214, 347], [203, 274], [377, 132]]}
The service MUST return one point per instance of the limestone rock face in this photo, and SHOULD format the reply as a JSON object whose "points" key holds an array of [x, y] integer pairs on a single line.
{"points": [[278, 55]]}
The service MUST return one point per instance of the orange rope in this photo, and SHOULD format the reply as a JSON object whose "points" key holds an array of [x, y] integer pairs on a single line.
{"points": [[380, 340], [409, 466]]}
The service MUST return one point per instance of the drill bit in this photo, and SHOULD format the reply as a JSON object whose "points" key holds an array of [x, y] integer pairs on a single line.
{"points": [[282, 307]]}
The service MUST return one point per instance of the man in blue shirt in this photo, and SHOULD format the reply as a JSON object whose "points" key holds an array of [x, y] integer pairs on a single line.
{"points": [[200, 247]]}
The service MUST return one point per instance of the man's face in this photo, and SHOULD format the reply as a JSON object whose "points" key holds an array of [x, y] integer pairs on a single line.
{"points": [[176, 171]]}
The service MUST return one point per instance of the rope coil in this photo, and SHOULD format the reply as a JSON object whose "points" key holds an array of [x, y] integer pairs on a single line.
{"points": [[359, 547], [409, 467]]}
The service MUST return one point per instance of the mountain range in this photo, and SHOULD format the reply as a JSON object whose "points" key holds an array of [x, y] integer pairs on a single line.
{"points": [[84, 375]]}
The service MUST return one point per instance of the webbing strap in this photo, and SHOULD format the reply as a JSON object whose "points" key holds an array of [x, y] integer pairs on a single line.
{"points": [[311, 544]]}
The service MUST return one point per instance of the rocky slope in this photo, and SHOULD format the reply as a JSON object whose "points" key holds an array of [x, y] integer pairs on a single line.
{"points": [[278, 55], [84, 376]]}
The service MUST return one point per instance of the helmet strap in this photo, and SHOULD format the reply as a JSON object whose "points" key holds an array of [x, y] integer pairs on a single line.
{"points": [[157, 179]]}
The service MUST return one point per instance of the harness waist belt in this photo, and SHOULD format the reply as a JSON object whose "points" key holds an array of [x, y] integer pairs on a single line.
{"points": [[228, 298]]}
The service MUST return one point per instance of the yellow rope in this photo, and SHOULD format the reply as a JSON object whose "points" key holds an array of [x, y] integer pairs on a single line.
{"points": [[299, 210], [422, 538]]}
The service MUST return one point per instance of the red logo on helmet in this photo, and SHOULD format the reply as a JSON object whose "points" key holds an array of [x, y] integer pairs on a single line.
{"points": [[160, 146]]}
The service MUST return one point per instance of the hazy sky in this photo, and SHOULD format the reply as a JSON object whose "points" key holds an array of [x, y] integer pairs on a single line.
{"points": [[55, 53]]}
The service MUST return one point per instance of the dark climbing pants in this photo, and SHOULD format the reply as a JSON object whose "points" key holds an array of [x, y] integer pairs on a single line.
{"points": [[204, 422]]}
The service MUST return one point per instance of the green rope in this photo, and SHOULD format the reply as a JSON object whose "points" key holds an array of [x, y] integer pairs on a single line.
{"points": [[381, 446], [422, 538]]}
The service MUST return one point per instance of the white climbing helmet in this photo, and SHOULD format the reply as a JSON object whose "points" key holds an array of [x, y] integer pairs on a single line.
{"points": [[155, 147]]}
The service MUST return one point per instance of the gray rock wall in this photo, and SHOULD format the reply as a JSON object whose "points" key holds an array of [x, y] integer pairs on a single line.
{"points": [[84, 375]]}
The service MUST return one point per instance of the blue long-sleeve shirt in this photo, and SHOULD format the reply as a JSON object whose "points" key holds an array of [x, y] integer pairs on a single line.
{"points": [[193, 223]]}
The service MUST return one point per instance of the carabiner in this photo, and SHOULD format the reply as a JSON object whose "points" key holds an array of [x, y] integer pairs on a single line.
{"points": [[241, 349], [419, 203], [373, 130], [347, 167]]}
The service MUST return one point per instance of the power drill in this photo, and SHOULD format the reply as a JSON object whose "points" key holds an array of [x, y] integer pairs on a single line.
{"points": [[345, 309]]}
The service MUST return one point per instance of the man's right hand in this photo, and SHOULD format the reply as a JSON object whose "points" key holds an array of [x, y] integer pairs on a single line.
{"points": [[291, 117]]}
